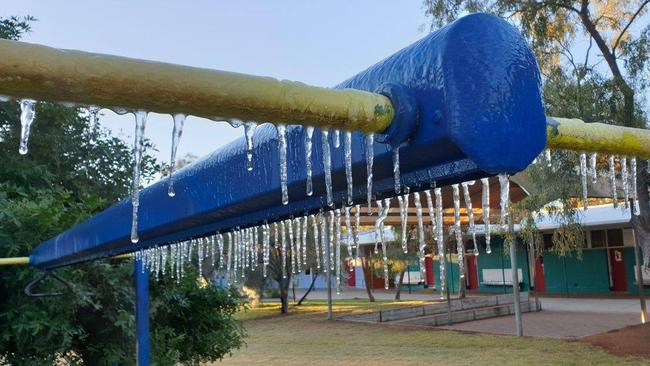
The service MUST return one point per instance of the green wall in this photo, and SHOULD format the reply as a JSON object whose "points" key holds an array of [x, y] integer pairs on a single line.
{"points": [[500, 260], [452, 273], [570, 275], [628, 257]]}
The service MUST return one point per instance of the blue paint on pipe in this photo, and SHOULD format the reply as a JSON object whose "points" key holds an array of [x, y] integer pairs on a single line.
{"points": [[475, 88], [142, 313]]}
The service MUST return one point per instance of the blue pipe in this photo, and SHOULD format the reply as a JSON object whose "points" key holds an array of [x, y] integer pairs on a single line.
{"points": [[468, 105], [142, 313]]}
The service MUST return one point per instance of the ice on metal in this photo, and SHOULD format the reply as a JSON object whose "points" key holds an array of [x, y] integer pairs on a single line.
{"points": [[470, 214], [612, 179], [27, 115], [583, 180], [327, 166], [347, 152], [249, 131], [370, 157], [282, 142], [396, 175], [177, 132], [486, 213], [309, 134], [138, 150], [460, 249]]}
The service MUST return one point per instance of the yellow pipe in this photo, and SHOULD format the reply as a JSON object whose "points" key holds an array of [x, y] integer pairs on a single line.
{"points": [[48, 74], [14, 261], [574, 134]]}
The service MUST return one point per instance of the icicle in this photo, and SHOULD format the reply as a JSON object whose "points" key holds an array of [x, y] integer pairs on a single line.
{"points": [[421, 244], [305, 227], [403, 215], [298, 240], [249, 131], [337, 246], [355, 230], [327, 166], [221, 251], [432, 214], [547, 154], [347, 152], [314, 227], [380, 210], [470, 214], [138, 150], [583, 180], [177, 132], [612, 179], [396, 175], [458, 233], [504, 182], [323, 240], [384, 214], [309, 133], [199, 256], [348, 231], [370, 157], [27, 115], [635, 198], [337, 139], [592, 167], [331, 238], [626, 190], [292, 246], [212, 254], [93, 110], [283, 235], [266, 248], [282, 140], [486, 213]]}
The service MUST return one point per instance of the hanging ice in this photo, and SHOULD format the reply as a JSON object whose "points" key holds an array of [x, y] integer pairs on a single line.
{"points": [[396, 176], [348, 231], [592, 167], [421, 244], [323, 241], [384, 214], [380, 209], [283, 235], [403, 214], [370, 156], [309, 133], [305, 227], [327, 166], [486, 213], [337, 246], [547, 154], [583, 179], [177, 132], [282, 140], [27, 115], [93, 110], [460, 249], [314, 221], [470, 214], [626, 190], [337, 138], [347, 152], [331, 239], [504, 182], [138, 150], [612, 179], [355, 230], [249, 131], [292, 246], [266, 247], [432, 213], [635, 198]]}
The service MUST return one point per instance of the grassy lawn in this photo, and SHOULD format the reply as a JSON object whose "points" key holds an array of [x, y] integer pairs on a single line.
{"points": [[305, 337]]}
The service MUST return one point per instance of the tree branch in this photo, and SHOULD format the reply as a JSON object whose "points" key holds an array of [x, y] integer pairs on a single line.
{"points": [[620, 35]]}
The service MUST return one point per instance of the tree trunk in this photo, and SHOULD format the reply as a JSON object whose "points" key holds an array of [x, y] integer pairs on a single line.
{"points": [[311, 287], [366, 270], [284, 295], [641, 223], [399, 286]]}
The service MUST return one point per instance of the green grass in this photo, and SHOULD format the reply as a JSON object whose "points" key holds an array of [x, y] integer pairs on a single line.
{"points": [[305, 337]]}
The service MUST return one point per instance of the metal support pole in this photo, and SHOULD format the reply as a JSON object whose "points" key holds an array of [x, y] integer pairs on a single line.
{"points": [[328, 277], [515, 279], [639, 281], [142, 313]]}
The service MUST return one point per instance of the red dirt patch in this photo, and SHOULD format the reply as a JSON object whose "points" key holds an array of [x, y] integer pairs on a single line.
{"points": [[628, 341]]}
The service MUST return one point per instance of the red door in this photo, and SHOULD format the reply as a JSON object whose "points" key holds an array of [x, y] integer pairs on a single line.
{"points": [[617, 263], [428, 265], [540, 277], [351, 273], [472, 272]]}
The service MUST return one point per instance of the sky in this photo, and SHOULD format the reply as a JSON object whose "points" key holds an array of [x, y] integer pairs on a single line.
{"points": [[317, 42]]}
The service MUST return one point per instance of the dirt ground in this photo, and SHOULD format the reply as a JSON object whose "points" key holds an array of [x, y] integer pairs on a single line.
{"points": [[629, 341]]}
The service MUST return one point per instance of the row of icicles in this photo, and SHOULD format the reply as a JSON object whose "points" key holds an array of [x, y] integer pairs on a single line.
{"points": [[246, 241]]}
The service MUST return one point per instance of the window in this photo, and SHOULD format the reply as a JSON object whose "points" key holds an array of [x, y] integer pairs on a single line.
{"points": [[598, 239], [548, 241], [615, 238]]}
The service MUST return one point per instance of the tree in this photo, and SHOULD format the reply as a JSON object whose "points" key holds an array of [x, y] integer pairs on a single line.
{"points": [[63, 180], [616, 28]]}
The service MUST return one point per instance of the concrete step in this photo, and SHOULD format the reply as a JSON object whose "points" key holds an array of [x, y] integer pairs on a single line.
{"points": [[469, 314]]}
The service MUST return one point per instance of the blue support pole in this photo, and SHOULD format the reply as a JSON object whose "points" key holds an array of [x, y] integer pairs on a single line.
{"points": [[142, 348]]}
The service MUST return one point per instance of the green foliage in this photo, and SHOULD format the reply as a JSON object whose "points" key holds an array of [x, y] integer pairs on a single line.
{"points": [[62, 181]]}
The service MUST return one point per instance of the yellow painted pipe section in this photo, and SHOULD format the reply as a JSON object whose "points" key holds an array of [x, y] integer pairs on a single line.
{"points": [[12, 261], [574, 134], [55, 75]]}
